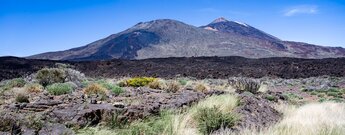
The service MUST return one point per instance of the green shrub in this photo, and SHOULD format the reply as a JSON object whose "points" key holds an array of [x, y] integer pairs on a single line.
{"points": [[313, 93], [116, 89], [17, 82], [337, 99], [333, 90], [139, 81], [85, 83], [342, 91], [333, 94], [59, 88], [321, 95], [21, 98], [182, 81], [112, 87], [245, 84], [270, 97], [211, 119], [156, 125], [48, 76], [322, 100]]}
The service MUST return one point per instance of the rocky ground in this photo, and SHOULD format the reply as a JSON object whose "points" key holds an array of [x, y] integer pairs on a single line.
{"points": [[45, 113], [48, 114], [200, 67], [56, 113]]}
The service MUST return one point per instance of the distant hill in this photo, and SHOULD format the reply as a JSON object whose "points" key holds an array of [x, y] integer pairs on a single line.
{"points": [[170, 38]]}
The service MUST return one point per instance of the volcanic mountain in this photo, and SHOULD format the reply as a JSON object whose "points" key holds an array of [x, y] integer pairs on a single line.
{"points": [[170, 38]]}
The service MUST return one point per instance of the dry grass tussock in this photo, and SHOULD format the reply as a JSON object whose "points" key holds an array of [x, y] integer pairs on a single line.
{"points": [[185, 124], [312, 119]]}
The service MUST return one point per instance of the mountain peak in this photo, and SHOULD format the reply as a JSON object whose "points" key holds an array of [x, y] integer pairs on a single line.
{"points": [[157, 23], [220, 19]]}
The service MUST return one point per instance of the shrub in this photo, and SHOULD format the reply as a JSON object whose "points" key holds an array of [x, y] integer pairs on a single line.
{"points": [[17, 82], [95, 88], [270, 97], [211, 119], [112, 87], [33, 87], [156, 125], [122, 83], [245, 84], [322, 100], [321, 95], [74, 76], [183, 81], [342, 91], [334, 90], [114, 120], [200, 87], [48, 76], [157, 84], [59, 88], [173, 86], [333, 94], [22, 98], [117, 89], [139, 81], [313, 93]]}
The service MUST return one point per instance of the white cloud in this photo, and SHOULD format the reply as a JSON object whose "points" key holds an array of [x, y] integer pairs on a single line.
{"points": [[302, 9]]}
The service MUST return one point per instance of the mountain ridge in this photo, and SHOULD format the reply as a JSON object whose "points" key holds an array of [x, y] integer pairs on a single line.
{"points": [[171, 38]]}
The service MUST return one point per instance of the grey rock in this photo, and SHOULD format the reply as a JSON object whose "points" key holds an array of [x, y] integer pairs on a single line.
{"points": [[55, 129], [27, 131]]}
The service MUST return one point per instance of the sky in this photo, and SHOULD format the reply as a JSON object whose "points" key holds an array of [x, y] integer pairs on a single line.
{"points": [[29, 27]]}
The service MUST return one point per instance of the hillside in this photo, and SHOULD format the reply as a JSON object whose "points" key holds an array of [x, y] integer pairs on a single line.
{"points": [[170, 38]]}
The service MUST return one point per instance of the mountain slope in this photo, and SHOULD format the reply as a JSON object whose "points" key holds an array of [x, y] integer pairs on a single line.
{"points": [[171, 38], [234, 27]]}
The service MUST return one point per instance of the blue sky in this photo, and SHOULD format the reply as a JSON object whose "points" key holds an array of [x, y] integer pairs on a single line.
{"points": [[29, 27]]}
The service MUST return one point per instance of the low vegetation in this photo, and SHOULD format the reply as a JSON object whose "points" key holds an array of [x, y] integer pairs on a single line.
{"points": [[310, 119], [33, 88], [48, 76], [332, 94], [201, 87], [59, 88], [211, 119], [111, 87], [206, 116], [210, 115], [173, 86], [22, 98], [95, 88], [159, 84], [139, 81], [245, 84], [17, 82]]}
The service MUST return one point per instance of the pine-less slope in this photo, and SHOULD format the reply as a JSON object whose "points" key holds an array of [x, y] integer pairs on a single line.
{"points": [[170, 38]]}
